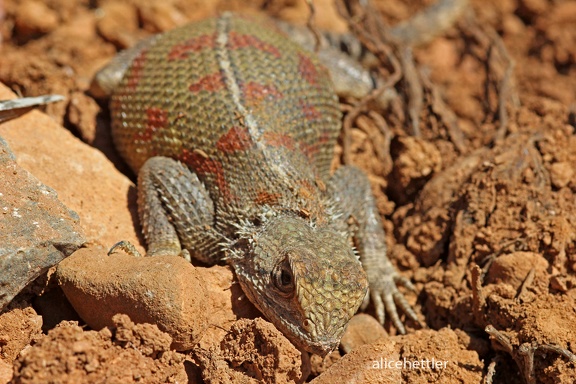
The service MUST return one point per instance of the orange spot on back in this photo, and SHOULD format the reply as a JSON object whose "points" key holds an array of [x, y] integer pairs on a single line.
{"points": [[236, 139], [265, 197], [211, 83], [156, 119], [307, 69], [255, 92], [195, 44], [325, 136], [307, 190], [278, 140], [136, 71], [204, 166], [310, 112], [236, 41], [311, 150]]}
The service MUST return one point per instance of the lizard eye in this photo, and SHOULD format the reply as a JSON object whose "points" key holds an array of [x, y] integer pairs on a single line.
{"points": [[283, 278]]}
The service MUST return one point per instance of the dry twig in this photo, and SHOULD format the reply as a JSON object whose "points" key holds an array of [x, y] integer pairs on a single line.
{"points": [[498, 56], [311, 25], [524, 355]]}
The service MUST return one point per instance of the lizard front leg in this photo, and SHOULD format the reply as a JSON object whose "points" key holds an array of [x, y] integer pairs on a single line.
{"points": [[349, 188], [176, 211]]}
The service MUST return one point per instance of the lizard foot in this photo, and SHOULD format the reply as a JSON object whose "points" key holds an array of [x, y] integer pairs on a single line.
{"points": [[125, 246], [131, 250], [384, 293]]}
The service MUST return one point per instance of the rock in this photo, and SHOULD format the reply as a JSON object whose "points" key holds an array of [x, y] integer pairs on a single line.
{"points": [[362, 329], [89, 184], [160, 16], [163, 290], [561, 174], [83, 115], [513, 268], [358, 366], [425, 356], [119, 24], [36, 229], [35, 18]]}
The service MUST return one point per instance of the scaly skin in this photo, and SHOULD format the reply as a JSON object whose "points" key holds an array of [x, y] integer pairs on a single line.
{"points": [[232, 127]]}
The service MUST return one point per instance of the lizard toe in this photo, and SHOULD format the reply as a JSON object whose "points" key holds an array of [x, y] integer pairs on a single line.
{"points": [[388, 300], [401, 302], [125, 246], [366, 301], [405, 282]]}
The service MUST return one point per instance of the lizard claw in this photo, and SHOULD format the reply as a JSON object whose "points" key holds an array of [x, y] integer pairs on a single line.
{"points": [[383, 292], [131, 250], [125, 246], [405, 282]]}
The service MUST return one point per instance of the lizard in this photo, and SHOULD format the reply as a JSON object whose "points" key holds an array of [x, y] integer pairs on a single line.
{"points": [[231, 128]]}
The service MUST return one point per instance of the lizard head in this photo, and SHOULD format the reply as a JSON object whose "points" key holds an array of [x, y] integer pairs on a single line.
{"points": [[307, 281]]}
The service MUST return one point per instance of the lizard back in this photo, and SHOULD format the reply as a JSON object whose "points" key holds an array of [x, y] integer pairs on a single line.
{"points": [[248, 110]]}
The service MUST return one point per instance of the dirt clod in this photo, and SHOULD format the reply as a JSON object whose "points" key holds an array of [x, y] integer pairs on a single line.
{"points": [[75, 355], [253, 351]]}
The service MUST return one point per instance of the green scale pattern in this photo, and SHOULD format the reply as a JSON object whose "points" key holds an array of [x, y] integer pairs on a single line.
{"points": [[283, 88]]}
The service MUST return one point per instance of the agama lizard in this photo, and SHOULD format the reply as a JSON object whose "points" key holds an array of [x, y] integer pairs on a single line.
{"points": [[231, 128]]}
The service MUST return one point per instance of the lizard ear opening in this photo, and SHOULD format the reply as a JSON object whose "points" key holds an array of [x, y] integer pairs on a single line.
{"points": [[283, 278]]}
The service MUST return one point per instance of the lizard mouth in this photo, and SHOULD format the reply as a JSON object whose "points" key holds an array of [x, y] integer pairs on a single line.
{"points": [[322, 348], [321, 342]]}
